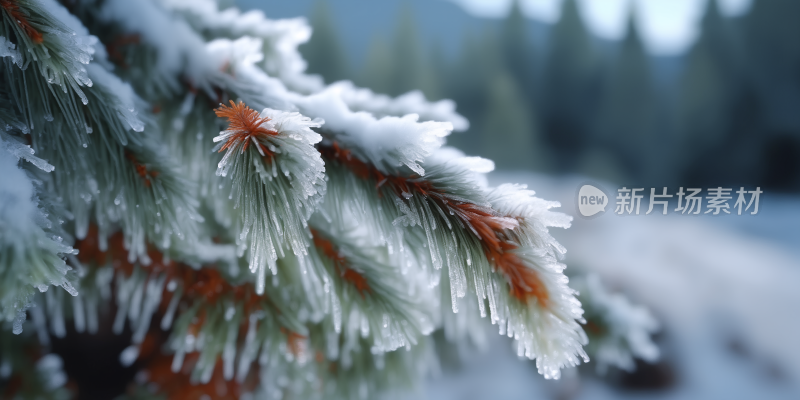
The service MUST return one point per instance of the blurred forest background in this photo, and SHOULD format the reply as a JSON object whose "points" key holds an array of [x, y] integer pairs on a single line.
{"points": [[555, 99]]}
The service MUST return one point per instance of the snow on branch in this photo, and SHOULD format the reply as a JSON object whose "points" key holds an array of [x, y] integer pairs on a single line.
{"points": [[384, 139], [414, 102], [280, 38], [282, 60], [388, 142]]}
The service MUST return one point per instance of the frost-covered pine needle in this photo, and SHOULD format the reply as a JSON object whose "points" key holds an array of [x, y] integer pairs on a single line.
{"points": [[276, 177]]}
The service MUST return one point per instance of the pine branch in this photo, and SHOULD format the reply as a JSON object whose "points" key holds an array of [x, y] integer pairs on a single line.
{"points": [[618, 330], [205, 314], [487, 243], [93, 143], [352, 278]]}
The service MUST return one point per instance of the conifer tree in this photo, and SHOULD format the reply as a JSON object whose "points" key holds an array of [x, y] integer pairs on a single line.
{"points": [[765, 119], [260, 234], [510, 131], [401, 64], [517, 49], [324, 52], [773, 59], [627, 119], [378, 66], [570, 84], [468, 81], [706, 89]]}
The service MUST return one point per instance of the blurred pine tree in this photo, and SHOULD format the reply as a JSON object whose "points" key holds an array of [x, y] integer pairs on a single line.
{"points": [[518, 51], [571, 75], [628, 109], [324, 52], [510, 135]]}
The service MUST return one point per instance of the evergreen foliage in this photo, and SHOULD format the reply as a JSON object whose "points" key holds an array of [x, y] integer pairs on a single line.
{"points": [[306, 250]]}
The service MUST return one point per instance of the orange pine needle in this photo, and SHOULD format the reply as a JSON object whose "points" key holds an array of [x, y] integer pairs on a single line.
{"points": [[113, 48], [295, 342], [246, 123], [357, 280], [13, 10], [206, 283], [340, 263], [141, 169]]}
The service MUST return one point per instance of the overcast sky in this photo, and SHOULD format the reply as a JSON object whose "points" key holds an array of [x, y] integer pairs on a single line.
{"points": [[667, 26]]}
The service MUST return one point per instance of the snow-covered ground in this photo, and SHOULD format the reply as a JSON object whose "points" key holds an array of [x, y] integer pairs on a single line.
{"points": [[725, 289]]}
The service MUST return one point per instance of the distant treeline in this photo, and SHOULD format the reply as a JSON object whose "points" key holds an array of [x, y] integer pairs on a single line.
{"points": [[727, 112]]}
